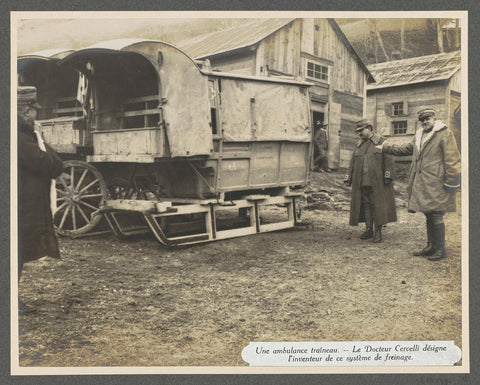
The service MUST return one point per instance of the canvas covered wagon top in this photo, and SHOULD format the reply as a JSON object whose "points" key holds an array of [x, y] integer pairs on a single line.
{"points": [[56, 85], [157, 126], [149, 85]]}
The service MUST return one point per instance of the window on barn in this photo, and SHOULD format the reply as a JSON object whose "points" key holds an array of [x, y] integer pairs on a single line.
{"points": [[400, 127], [398, 109], [316, 71]]}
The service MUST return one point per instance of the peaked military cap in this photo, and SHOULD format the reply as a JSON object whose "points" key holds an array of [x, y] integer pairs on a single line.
{"points": [[361, 124], [27, 96], [425, 113]]}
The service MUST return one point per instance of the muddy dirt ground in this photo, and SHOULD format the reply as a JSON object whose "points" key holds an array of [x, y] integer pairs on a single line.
{"points": [[136, 303]]}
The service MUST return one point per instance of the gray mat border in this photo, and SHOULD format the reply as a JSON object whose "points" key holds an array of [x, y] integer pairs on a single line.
{"points": [[304, 5]]}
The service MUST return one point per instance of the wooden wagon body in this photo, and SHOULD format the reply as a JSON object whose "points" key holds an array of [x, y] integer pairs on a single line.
{"points": [[176, 144], [61, 118]]}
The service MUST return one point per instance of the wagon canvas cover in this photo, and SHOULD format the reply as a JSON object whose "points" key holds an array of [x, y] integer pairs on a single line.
{"points": [[242, 101]]}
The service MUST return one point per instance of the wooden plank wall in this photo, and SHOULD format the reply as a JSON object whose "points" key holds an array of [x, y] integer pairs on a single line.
{"points": [[347, 74], [456, 81], [351, 112], [281, 51], [241, 64]]}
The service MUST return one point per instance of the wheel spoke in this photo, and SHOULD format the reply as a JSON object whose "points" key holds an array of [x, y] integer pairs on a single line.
{"points": [[72, 177], [62, 179], [60, 207], [88, 186], [81, 179], [63, 218], [92, 195], [61, 198], [88, 205], [74, 219], [61, 192], [83, 215]]}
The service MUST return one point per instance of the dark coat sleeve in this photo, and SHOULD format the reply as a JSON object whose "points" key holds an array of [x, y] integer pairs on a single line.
{"points": [[349, 175], [46, 163], [389, 164]]}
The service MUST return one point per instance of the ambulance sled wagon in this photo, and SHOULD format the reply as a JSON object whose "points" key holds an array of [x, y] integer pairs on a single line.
{"points": [[170, 146]]}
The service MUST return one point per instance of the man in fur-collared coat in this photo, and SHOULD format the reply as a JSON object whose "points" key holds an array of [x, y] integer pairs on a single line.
{"points": [[434, 177], [370, 174], [37, 165]]}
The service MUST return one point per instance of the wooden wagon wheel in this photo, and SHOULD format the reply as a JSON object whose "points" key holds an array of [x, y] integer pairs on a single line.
{"points": [[81, 191]]}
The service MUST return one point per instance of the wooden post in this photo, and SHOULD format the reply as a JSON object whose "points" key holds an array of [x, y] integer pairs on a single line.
{"points": [[457, 34], [439, 35]]}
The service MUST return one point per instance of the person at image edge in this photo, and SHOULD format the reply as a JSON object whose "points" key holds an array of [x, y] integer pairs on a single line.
{"points": [[37, 165]]}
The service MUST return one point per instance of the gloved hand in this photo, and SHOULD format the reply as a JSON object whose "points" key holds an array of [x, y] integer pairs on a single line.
{"points": [[347, 181]]}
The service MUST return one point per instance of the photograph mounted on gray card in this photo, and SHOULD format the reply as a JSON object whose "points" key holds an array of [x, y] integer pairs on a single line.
{"points": [[239, 192]]}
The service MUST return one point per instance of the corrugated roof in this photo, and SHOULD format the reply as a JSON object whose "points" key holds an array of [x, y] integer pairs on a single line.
{"points": [[415, 70], [230, 39]]}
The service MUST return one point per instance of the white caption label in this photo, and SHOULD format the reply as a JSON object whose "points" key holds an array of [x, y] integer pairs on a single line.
{"points": [[363, 353]]}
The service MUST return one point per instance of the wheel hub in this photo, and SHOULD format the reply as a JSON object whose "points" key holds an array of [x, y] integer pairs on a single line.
{"points": [[76, 198]]}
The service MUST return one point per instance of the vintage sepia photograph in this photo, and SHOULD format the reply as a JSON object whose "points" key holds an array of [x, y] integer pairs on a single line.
{"points": [[192, 189]]}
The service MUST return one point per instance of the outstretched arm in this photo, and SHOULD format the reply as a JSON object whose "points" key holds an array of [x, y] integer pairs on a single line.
{"points": [[397, 149]]}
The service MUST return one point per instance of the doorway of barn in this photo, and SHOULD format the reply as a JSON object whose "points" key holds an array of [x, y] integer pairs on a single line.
{"points": [[320, 140]]}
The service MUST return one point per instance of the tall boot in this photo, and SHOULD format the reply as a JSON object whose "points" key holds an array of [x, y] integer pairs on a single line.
{"points": [[377, 238], [429, 248], [439, 243], [368, 223]]}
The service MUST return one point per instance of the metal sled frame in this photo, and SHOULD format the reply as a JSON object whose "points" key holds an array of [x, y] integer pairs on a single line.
{"points": [[155, 213]]}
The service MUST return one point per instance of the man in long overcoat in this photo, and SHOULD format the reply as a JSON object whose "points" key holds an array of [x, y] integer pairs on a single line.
{"points": [[434, 177], [370, 174], [37, 165]]}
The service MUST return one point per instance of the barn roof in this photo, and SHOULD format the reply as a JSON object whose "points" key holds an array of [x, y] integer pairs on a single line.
{"points": [[231, 39], [247, 35], [415, 70]]}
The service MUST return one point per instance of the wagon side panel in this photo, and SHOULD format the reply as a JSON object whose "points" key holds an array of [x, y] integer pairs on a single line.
{"points": [[186, 111]]}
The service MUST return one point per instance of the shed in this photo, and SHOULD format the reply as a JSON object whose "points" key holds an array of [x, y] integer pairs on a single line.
{"points": [[404, 86], [315, 50]]}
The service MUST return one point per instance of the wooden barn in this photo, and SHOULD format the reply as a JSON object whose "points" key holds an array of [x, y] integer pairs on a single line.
{"points": [[402, 87], [315, 50]]}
